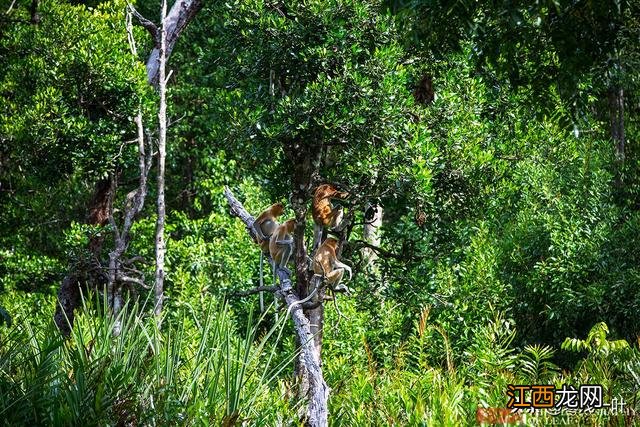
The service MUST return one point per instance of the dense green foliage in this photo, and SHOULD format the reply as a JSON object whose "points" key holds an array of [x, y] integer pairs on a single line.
{"points": [[509, 241]]}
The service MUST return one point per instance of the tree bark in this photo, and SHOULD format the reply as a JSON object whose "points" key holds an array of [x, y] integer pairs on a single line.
{"points": [[371, 231], [616, 112], [318, 391], [181, 13], [162, 143], [69, 292]]}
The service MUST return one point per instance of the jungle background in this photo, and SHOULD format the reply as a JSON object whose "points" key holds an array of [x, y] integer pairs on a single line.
{"points": [[500, 140]]}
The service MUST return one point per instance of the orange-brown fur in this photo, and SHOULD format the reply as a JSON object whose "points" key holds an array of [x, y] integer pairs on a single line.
{"points": [[322, 209], [281, 243], [266, 224], [326, 264], [324, 214], [323, 260]]}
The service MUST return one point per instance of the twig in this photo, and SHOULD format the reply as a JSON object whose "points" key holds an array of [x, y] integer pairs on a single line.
{"points": [[147, 24], [10, 7], [129, 279], [179, 119], [361, 243]]}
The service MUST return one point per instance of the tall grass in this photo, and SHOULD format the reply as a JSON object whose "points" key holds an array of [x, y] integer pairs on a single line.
{"points": [[419, 389], [196, 371]]}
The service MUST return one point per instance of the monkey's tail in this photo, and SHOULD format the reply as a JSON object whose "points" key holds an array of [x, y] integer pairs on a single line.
{"points": [[302, 301], [276, 307], [261, 283], [275, 297]]}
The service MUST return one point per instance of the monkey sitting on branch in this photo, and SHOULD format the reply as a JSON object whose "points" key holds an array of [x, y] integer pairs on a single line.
{"points": [[281, 244], [326, 264], [264, 226], [325, 215], [281, 248]]}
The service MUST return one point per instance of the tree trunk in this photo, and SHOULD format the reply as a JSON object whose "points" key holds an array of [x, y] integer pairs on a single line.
{"points": [[301, 185], [162, 141], [69, 292], [181, 13], [371, 231], [616, 110], [68, 300], [306, 161]]}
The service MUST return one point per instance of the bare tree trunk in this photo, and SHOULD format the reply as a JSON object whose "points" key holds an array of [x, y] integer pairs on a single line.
{"points": [[181, 13], [371, 231], [162, 142], [616, 111], [318, 392]]}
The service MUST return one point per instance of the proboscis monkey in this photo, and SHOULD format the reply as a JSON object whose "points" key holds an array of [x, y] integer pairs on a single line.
{"points": [[324, 214], [281, 243], [264, 226], [326, 264]]}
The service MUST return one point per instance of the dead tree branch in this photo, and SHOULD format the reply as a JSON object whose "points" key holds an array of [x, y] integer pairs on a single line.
{"points": [[181, 13], [317, 411], [358, 244], [147, 24], [133, 206]]}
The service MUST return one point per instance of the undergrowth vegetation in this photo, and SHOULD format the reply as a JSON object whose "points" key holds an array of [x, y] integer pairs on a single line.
{"points": [[206, 370], [198, 371]]}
